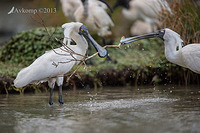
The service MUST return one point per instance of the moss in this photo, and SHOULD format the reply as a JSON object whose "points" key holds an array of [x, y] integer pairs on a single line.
{"points": [[26, 46]]}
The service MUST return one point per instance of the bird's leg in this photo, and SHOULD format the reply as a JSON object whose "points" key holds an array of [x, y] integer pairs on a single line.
{"points": [[60, 95], [51, 84], [50, 98]]}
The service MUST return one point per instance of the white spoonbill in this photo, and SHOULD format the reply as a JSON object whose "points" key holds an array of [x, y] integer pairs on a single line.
{"points": [[42, 69], [143, 10], [94, 17], [187, 56]]}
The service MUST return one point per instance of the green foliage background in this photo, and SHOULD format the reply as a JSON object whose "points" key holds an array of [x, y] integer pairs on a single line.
{"points": [[26, 46]]}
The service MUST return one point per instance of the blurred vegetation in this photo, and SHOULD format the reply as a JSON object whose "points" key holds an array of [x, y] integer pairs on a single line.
{"points": [[135, 64], [28, 45], [185, 20]]}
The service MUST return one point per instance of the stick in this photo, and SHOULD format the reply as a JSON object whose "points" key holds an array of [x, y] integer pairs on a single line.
{"points": [[83, 61]]}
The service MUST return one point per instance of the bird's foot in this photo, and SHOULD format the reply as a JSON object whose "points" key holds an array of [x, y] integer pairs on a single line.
{"points": [[50, 102], [61, 101]]}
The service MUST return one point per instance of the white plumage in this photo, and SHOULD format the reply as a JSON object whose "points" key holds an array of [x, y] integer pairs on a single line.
{"points": [[143, 10], [44, 69], [146, 10], [69, 7], [187, 56], [94, 17], [140, 27]]}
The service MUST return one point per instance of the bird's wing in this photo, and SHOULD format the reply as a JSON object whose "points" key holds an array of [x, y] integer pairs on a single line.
{"points": [[48, 65], [191, 57], [69, 7], [101, 19], [101, 16]]}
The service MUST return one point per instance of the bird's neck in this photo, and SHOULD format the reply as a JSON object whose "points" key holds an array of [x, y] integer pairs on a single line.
{"points": [[81, 44], [86, 7], [172, 54]]}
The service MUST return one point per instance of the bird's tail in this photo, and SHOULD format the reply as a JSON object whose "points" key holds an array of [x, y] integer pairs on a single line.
{"points": [[23, 78]]}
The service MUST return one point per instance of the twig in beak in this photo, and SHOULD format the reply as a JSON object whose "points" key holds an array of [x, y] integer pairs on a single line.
{"points": [[115, 46], [89, 57]]}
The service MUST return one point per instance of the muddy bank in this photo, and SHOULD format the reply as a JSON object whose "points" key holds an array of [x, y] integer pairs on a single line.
{"points": [[112, 77]]}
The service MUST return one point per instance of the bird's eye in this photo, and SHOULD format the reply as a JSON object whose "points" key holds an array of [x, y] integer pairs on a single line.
{"points": [[162, 31], [177, 48]]}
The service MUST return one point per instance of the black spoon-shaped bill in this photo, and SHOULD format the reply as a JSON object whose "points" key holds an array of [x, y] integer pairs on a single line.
{"points": [[101, 51]]}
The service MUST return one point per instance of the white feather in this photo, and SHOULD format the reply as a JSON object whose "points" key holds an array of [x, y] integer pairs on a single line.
{"points": [[44, 68]]}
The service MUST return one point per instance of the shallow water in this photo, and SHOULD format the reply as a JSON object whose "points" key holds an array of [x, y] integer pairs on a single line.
{"points": [[161, 109]]}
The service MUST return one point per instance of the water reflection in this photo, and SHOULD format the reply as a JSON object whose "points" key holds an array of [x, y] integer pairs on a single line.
{"points": [[154, 109]]}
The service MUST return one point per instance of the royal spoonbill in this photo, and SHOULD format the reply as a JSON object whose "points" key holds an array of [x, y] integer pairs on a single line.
{"points": [[42, 69], [94, 17], [187, 56], [143, 10]]}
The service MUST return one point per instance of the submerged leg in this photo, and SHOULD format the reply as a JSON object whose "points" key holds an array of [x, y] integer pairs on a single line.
{"points": [[50, 98], [60, 83], [51, 84], [60, 95]]}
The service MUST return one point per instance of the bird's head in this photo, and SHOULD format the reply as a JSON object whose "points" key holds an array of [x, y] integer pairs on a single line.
{"points": [[167, 35], [164, 34], [82, 30]]}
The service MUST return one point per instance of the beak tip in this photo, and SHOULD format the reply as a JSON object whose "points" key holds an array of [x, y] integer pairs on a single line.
{"points": [[121, 41], [103, 53]]}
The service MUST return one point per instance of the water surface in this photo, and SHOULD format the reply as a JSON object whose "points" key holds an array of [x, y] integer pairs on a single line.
{"points": [[160, 109]]}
